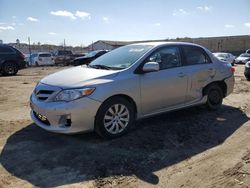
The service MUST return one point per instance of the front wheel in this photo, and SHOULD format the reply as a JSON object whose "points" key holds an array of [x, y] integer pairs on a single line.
{"points": [[214, 97], [114, 118]]}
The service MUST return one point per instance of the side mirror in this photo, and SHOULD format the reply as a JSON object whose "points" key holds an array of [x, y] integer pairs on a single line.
{"points": [[151, 67]]}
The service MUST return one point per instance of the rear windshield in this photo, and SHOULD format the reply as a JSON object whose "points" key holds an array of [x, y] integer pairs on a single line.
{"points": [[64, 53], [220, 55], [44, 55]]}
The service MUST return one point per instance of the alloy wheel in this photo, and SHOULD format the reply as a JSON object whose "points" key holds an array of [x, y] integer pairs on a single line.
{"points": [[116, 118]]}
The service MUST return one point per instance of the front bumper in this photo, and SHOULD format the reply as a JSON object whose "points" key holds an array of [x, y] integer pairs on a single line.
{"points": [[64, 117], [230, 84]]}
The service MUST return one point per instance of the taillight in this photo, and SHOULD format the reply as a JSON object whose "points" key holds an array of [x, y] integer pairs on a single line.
{"points": [[22, 56], [233, 70]]}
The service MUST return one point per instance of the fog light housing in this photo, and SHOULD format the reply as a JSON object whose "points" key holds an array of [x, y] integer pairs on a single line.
{"points": [[65, 121]]}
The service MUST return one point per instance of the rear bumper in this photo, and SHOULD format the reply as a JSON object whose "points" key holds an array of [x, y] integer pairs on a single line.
{"points": [[22, 64], [230, 84]]}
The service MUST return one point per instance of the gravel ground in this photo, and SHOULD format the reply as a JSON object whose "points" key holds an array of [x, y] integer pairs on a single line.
{"points": [[188, 148]]}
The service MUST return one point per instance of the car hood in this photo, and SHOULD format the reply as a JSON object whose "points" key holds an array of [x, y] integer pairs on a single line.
{"points": [[83, 57], [78, 77]]}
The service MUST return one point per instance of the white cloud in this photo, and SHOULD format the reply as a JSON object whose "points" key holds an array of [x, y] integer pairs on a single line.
{"points": [[7, 28], [21, 24], [2, 23], [14, 17], [157, 24], [106, 19], [204, 8], [247, 24], [51, 33], [13, 23], [180, 12], [229, 26], [31, 19], [63, 13], [82, 15]]}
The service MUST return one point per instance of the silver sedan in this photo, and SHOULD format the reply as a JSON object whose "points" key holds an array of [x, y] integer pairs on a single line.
{"points": [[130, 83]]}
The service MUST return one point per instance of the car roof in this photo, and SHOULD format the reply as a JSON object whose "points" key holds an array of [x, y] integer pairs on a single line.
{"points": [[167, 43]]}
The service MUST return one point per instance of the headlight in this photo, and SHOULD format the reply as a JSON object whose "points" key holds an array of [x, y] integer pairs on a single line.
{"points": [[73, 94]]}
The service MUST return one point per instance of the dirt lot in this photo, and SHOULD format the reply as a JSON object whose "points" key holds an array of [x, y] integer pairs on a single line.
{"points": [[189, 148]]}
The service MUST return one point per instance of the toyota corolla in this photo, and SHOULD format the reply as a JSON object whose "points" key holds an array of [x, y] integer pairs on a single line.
{"points": [[130, 83]]}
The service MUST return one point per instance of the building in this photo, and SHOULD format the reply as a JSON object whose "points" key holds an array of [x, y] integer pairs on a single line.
{"points": [[232, 44], [106, 45]]}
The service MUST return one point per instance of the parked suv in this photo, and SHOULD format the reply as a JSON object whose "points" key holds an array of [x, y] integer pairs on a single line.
{"points": [[44, 58], [129, 83], [11, 60]]}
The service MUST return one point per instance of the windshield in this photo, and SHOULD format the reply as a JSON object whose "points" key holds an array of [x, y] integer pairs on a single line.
{"points": [[245, 55], [122, 57]]}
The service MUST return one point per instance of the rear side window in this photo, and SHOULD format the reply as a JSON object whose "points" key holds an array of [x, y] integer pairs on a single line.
{"points": [[167, 57], [44, 55], [5, 49], [195, 55]]}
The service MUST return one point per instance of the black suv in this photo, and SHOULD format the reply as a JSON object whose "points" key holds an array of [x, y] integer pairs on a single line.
{"points": [[11, 60], [91, 56]]}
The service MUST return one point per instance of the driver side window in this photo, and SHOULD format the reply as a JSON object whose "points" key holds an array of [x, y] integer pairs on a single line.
{"points": [[167, 57]]}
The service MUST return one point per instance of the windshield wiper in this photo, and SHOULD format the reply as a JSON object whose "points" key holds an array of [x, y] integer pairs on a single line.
{"points": [[100, 67]]}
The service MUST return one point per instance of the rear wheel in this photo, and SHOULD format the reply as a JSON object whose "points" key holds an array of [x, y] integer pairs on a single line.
{"points": [[9, 68], [114, 118], [214, 97]]}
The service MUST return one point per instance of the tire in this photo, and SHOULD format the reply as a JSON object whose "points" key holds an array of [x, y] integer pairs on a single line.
{"points": [[9, 68], [37, 65], [214, 97], [114, 118]]}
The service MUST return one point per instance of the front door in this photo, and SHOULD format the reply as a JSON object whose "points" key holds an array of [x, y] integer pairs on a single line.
{"points": [[167, 87]]}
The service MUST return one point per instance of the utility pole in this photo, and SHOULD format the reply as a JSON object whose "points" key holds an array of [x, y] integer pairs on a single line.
{"points": [[29, 51]]}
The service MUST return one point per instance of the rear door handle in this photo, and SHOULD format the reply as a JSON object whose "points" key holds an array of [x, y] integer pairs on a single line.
{"points": [[181, 75]]}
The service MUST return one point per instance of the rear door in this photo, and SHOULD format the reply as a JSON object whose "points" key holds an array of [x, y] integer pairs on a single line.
{"points": [[199, 69], [167, 87]]}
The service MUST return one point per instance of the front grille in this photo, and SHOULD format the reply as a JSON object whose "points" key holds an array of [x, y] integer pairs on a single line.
{"points": [[41, 118], [43, 94]]}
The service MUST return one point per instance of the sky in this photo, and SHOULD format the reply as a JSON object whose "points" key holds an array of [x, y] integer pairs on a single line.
{"points": [[81, 22]]}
